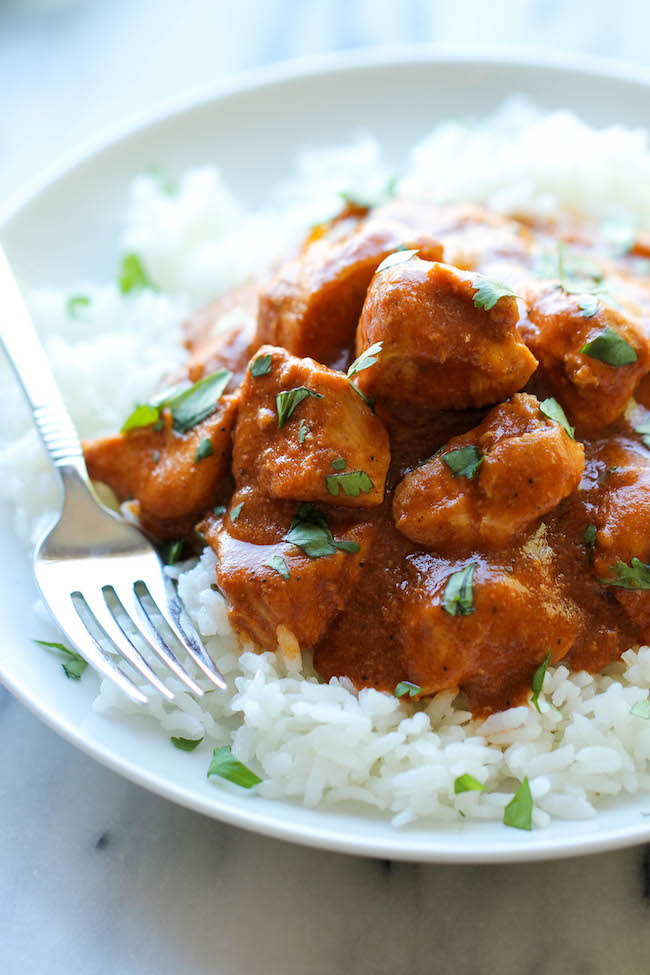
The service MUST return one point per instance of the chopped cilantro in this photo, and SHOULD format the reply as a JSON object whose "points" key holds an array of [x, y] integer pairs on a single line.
{"points": [[226, 767], [199, 401], [552, 409], [75, 305], [634, 576], [339, 465], [588, 304], [463, 462], [538, 679], [310, 532], [641, 709], [519, 811], [590, 538], [172, 551], [236, 511], [611, 348], [488, 292], [368, 201], [143, 416], [644, 432], [205, 449], [365, 360], [156, 456], [406, 687], [353, 483], [262, 365], [303, 430], [459, 593], [75, 663], [398, 257], [219, 510], [467, 783], [277, 562], [368, 400], [289, 399], [133, 276], [186, 744]]}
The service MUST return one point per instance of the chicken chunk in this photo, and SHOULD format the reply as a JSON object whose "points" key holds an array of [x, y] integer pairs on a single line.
{"points": [[621, 543], [304, 434], [494, 649], [491, 484], [440, 350], [313, 304], [275, 589], [172, 477], [591, 353]]}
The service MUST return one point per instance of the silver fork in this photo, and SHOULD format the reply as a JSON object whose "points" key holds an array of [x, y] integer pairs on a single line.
{"points": [[91, 558]]}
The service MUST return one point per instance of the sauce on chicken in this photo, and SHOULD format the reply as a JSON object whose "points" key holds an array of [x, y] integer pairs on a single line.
{"points": [[425, 456]]}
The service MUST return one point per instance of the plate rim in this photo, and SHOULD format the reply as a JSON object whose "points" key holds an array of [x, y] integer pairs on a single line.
{"points": [[445, 847]]}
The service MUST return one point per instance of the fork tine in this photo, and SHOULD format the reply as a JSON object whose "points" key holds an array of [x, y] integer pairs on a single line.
{"points": [[113, 629], [138, 616], [85, 643], [171, 609]]}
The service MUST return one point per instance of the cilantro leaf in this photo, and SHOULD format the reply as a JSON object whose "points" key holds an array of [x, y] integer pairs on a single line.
{"points": [[634, 576], [205, 449], [538, 680], [611, 348], [552, 409], [368, 400], [406, 687], [467, 783], [339, 465], [172, 551], [519, 811], [371, 200], [353, 483], [644, 432], [589, 305], [143, 416], [277, 562], [459, 594], [641, 709], [303, 430], [226, 767], [75, 305], [75, 663], [236, 511], [289, 399], [195, 404], [590, 538], [488, 292], [133, 276], [186, 744], [398, 257], [262, 365], [463, 462], [365, 360], [310, 532], [219, 510]]}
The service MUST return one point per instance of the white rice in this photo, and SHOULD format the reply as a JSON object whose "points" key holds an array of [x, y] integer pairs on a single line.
{"points": [[324, 743]]}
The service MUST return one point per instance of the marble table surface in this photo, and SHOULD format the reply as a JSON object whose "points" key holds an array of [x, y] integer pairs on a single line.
{"points": [[98, 876]]}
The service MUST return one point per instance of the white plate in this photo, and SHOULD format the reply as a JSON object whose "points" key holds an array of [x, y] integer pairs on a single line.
{"points": [[66, 228]]}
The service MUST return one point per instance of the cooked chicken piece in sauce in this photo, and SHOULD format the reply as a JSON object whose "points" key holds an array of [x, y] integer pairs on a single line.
{"points": [[485, 488], [270, 581], [591, 353], [312, 306], [304, 434], [439, 349], [170, 476]]}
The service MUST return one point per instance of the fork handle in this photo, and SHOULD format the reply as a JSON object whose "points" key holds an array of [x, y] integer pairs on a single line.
{"points": [[22, 345]]}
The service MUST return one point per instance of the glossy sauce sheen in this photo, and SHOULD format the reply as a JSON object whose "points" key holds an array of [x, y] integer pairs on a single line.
{"points": [[377, 616]]}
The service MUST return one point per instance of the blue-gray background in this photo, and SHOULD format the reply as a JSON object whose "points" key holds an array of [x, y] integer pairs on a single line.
{"points": [[99, 877]]}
